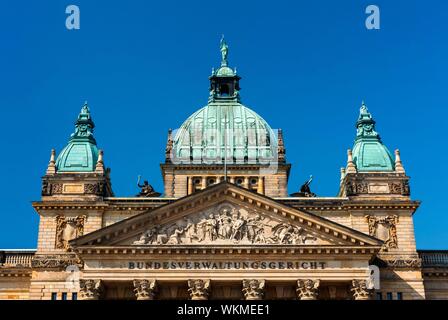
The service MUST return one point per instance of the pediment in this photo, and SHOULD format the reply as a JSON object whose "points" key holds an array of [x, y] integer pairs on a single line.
{"points": [[225, 215]]}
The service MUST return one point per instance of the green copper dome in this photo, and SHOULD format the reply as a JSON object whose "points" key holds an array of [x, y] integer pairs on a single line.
{"points": [[224, 124], [369, 153], [204, 136], [81, 152]]}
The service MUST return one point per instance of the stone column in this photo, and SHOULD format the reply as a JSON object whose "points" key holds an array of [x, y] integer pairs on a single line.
{"points": [[190, 185], [204, 182], [90, 289], [260, 188], [145, 289], [199, 289], [232, 180], [307, 289], [360, 290], [246, 183], [253, 289], [218, 179]]}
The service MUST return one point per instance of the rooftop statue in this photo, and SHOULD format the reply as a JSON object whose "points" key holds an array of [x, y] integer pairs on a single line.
{"points": [[305, 190], [146, 190], [224, 51]]}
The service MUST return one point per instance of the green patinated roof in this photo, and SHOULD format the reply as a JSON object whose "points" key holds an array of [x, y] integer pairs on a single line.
{"points": [[81, 152], [369, 153], [202, 136], [224, 122]]}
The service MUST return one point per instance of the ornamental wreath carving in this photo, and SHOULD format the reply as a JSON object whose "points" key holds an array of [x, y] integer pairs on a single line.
{"points": [[253, 289], [199, 289], [226, 225], [68, 228], [384, 229]]}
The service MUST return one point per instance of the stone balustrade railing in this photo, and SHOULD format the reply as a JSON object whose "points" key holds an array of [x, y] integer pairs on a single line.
{"points": [[434, 258], [16, 258]]}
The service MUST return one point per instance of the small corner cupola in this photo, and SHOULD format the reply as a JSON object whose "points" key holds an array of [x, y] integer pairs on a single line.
{"points": [[224, 82], [81, 152], [369, 153]]}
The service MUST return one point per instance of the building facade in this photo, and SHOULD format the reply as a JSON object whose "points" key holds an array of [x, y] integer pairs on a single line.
{"points": [[225, 226]]}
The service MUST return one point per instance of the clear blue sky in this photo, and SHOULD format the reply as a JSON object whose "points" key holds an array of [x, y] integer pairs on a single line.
{"points": [[144, 66]]}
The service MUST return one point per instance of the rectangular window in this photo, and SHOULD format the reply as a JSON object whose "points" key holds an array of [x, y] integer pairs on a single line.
{"points": [[64, 295], [389, 296], [379, 296], [74, 296], [399, 295], [54, 296]]}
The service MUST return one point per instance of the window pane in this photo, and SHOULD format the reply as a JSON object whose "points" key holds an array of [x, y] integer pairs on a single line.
{"points": [[389, 296], [64, 295], [399, 296], [54, 296], [74, 296], [379, 296]]}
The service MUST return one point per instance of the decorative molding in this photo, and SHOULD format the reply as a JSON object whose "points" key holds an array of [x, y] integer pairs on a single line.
{"points": [[94, 188], [56, 188], [68, 228], [400, 263], [361, 290], [199, 289], [60, 261], [253, 289], [90, 289], [307, 289], [145, 289], [226, 225], [384, 229]]}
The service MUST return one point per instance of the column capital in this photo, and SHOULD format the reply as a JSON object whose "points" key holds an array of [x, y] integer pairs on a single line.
{"points": [[145, 289], [307, 289], [361, 290], [253, 289], [199, 289], [90, 289]]}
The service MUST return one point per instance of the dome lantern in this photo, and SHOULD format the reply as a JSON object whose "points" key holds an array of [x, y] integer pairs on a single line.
{"points": [[81, 152], [369, 153]]}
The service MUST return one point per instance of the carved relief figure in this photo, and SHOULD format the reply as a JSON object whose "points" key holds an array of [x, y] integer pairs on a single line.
{"points": [[68, 228], [226, 225], [384, 229], [253, 289]]}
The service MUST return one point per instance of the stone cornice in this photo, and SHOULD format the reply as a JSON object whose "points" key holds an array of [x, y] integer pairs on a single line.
{"points": [[15, 272], [303, 250]]}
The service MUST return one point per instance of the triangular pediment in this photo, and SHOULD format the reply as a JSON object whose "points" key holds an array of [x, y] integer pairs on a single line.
{"points": [[225, 215]]}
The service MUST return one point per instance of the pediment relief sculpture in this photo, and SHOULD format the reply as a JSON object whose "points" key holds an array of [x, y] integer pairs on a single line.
{"points": [[226, 224]]}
